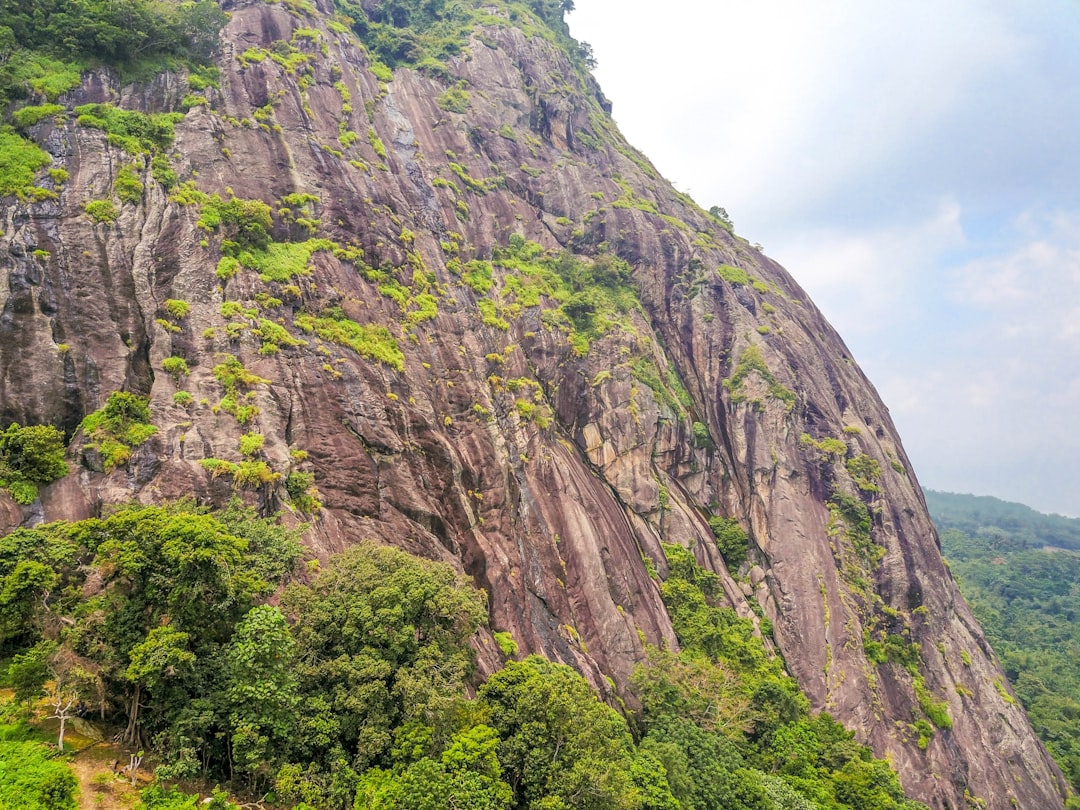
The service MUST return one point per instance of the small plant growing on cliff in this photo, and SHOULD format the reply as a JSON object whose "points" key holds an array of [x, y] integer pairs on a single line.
{"points": [[731, 541], [128, 186], [302, 492], [103, 212], [251, 444], [506, 643], [865, 472], [175, 367], [456, 99], [123, 423], [30, 456]]}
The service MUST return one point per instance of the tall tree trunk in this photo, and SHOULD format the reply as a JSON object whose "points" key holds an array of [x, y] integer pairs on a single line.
{"points": [[133, 717]]}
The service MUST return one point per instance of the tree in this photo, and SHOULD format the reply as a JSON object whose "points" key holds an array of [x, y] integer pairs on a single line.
{"points": [[262, 691], [381, 639], [73, 684], [559, 742], [28, 672], [34, 453], [155, 660]]}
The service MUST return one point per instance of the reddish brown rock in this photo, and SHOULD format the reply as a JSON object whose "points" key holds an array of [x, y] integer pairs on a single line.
{"points": [[553, 519]]}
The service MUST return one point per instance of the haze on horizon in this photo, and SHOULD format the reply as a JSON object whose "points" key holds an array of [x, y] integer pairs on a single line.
{"points": [[915, 168]]}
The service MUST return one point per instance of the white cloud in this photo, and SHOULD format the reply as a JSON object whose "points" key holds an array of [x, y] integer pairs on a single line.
{"points": [[869, 281]]}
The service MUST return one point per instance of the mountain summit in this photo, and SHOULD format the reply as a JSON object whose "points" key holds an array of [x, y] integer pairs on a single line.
{"points": [[391, 267]]}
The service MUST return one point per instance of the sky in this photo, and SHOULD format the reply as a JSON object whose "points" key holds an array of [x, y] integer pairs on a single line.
{"points": [[916, 167]]}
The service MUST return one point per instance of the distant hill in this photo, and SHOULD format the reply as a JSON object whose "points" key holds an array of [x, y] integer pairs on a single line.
{"points": [[972, 513], [1027, 599]]}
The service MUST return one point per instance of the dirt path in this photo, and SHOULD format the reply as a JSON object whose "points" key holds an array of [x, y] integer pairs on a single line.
{"points": [[100, 788]]}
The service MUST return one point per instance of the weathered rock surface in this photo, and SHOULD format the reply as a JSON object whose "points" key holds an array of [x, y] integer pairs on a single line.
{"points": [[554, 520]]}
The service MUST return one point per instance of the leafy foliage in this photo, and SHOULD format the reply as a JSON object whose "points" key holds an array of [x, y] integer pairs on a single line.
{"points": [[20, 161], [29, 457], [30, 777], [732, 728], [123, 423], [1027, 598], [426, 34]]}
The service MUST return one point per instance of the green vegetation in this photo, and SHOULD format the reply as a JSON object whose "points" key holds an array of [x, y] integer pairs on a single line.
{"points": [[46, 44], [128, 187], [134, 132], [369, 340], [1024, 589], [970, 513], [20, 162], [302, 492], [731, 541], [456, 99], [31, 776], [752, 362], [283, 261], [158, 644], [176, 367], [354, 691], [591, 298], [426, 34], [731, 727], [30, 457], [733, 275], [102, 211], [865, 472], [122, 424]]}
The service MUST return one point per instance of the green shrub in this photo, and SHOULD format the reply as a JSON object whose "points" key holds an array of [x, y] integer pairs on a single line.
{"points": [[283, 261], [733, 275], [113, 430], [370, 340], [244, 223], [381, 71], [702, 439], [132, 131], [102, 211], [251, 444], [20, 161], [30, 456], [227, 268], [177, 308], [731, 541], [176, 367], [162, 171], [506, 643], [183, 398], [937, 711], [30, 778], [302, 492], [456, 99], [128, 186], [26, 117], [230, 372]]}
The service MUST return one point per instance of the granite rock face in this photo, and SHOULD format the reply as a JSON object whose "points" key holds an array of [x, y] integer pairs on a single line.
{"points": [[548, 470]]}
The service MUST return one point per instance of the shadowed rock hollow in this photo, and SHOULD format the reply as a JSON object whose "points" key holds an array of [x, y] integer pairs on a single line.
{"points": [[513, 347]]}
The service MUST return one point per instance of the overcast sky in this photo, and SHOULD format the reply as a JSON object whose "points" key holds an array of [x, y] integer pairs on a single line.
{"points": [[916, 167]]}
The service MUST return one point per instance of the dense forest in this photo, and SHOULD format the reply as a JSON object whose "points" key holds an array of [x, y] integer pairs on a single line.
{"points": [[358, 687], [1014, 569]]}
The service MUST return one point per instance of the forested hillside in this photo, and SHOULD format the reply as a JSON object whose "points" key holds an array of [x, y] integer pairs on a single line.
{"points": [[1027, 598], [354, 689]]}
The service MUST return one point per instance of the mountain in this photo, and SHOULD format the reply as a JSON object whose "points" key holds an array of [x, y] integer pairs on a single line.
{"points": [[972, 513], [390, 267]]}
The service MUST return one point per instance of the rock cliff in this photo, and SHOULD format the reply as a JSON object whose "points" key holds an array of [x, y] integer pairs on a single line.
{"points": [[493, 335]]}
